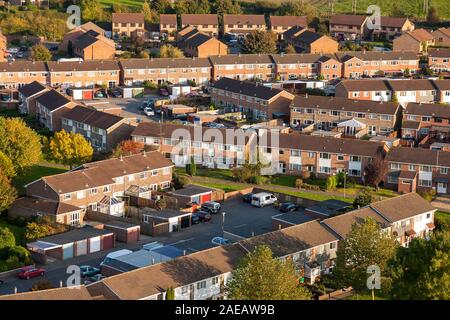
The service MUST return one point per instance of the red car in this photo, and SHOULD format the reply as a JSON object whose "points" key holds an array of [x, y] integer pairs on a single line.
{"points": [[30, 272]]}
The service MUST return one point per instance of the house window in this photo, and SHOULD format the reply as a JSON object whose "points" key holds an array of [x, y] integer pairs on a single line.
{"points": [[131, 177], [311, 154], [93, 191], [146, 218], [333, 245], [395, 166], [355, 173], [81, 194], [425, 168], [201, 285], [67, 196], [443, 170], [324, 155], [428, 215], [74, 218], [106, 189], [167, 170], [340, 157], [215, 280], [355, 158], [425, 183], [295, 153], [324, 169], [154, 173], [142, 175], [411, 167], [165, 185], [184, 290]]}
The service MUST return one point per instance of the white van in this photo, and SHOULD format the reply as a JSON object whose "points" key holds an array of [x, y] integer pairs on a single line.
{"points": [[263, 199]]}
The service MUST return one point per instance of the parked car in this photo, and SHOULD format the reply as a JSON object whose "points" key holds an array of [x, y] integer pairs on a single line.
{"points": [[211, 207], [149, 112], [5, 97], [203, 216], [88, 271], [19, 55], [163, 92], [100, 94], [247, 197], [30, 272], [93, 279], [263, 199], [116, 94], [219, 241], [288, 207], [195, 219]]}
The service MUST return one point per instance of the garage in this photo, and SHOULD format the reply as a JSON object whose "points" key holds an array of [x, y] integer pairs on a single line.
{"points": [[88, 95], [193, 194], [176, 219], [132, 92], [138, 92], [67, 251], [81, 247], [74, 243], [94, 244], [81, 93], [124, 232]]}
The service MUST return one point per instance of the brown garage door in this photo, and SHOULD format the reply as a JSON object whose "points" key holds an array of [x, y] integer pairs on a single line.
{"points": [[107, 242], [133, 235]]}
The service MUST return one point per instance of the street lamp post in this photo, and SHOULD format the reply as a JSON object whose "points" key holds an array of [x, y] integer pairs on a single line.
{"points": [[223, 223], [345, 180]]}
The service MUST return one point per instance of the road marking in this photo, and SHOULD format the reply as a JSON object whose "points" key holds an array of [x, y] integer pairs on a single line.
{"points": [[181, 241], [192, 249], [240, 226]]}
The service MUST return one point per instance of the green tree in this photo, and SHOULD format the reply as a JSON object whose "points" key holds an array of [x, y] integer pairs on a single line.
{"points": [[161, 6], [363, 198], [331, 183], [70, 148], [7, 239], [260, 42], [422, 271], [297, 8], [7, 193], [19, 143], [150, 16], [290, 49], [227, 7], [365, 245], [168, 51], [91, 10], [6, 166], [170, 294], [433, 16], [394, 97], [34, 230], [40, 53], [260, 276], [376, 170]]}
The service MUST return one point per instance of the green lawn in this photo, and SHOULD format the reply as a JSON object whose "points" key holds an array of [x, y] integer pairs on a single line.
{"points": [[442, 220], [310, 195], [34, 173], [366, 296], [18, 231], [223, 174], [129, 3], [225, 187]]}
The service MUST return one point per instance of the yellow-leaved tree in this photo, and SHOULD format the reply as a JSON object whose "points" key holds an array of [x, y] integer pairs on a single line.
{"points": [[70, 148]]}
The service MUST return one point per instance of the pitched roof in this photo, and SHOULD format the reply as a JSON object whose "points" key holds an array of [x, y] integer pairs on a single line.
{"points": [[365, 85], [101, 173], [90, 37], [75, 235], [241, 59], [52, 100], [439, 52], [421, 35], [194, 133], [247, 88], [49, 207], [92, 26], [197, 19], [286, 21], [86, 65], [31, 89], [378, 56], [445, 31], [244, 19], [428, 109], [295, 58], [308, 37], [127, 17], [419, 156], [411, 85], [344, 104], [342, 224], [322, 144], [393, 22], [348, 19], [442, 84], [168, 19], [98, 119], [23, 66], [65, 293], [198, 39], [415, 125], [402, 207], [165, 63]]}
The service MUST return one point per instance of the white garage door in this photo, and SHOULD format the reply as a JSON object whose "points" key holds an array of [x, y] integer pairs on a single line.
{"points": [[81, 247], [94, 244], [67, 251]]}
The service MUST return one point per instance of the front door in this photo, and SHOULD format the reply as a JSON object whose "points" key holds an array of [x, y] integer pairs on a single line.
{"points": [[442, 187]]}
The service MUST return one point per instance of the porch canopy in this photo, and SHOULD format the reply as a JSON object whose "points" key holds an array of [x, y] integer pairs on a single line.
{"points": [[353, 123]]}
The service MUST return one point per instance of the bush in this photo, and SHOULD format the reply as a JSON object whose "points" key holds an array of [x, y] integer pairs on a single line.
{"points": [[298, 183], [242, 174], [312, 187], [150, 85], [364, 198], [331, 183], [161, 204], [428, 195], [259, 180]]}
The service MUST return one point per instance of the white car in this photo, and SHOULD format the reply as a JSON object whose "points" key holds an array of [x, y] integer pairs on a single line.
{"points": [[219, 241], [149, 112], [13, 50]]}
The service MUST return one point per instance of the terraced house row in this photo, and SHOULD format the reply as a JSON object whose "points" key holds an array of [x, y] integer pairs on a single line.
{"points": [[311, 246], [203, 70]]}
